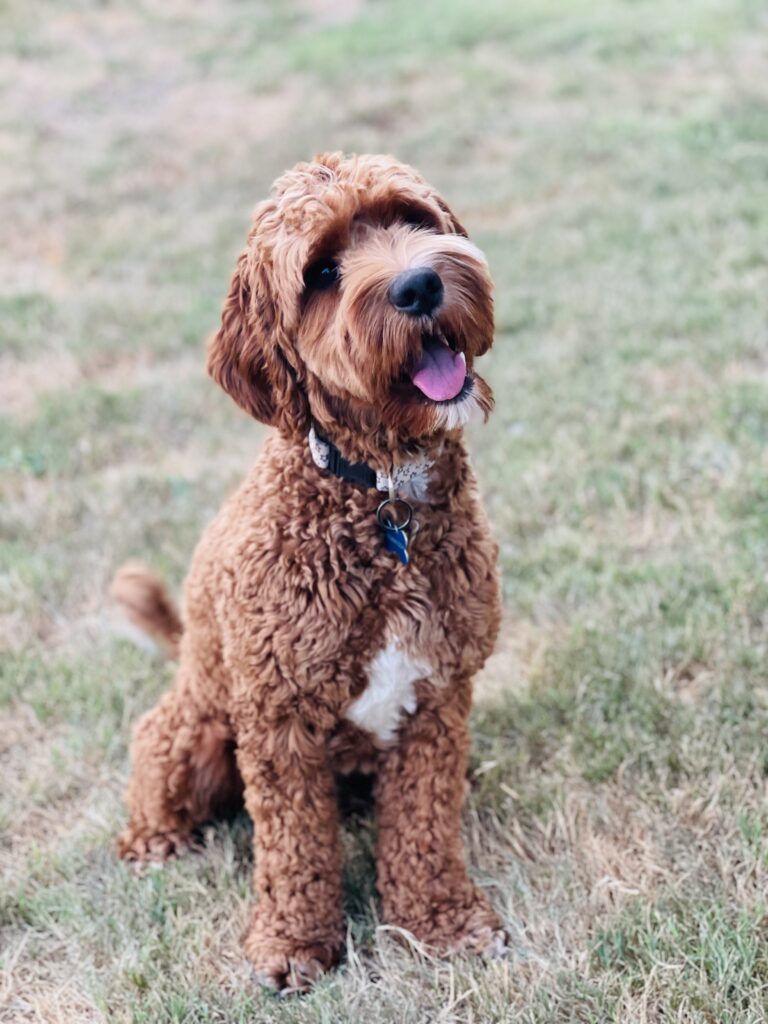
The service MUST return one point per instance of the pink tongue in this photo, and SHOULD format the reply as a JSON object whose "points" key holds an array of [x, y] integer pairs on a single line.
{"points": [[440, 372]]}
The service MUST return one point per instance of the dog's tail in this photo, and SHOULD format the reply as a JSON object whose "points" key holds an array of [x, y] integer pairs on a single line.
{"points": [[148, 605]]}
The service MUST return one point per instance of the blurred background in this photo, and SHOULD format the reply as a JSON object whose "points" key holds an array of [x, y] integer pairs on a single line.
{"points": [[612, 161]]}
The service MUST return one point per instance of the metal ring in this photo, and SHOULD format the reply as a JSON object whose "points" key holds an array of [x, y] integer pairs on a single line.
{"points": [[393, 523]]}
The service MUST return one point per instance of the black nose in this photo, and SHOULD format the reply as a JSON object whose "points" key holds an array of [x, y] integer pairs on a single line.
{"points": [[416, 292]]}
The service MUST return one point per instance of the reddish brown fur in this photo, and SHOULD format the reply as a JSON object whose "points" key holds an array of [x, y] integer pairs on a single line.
{"points": [[146, 602], [291, 593]]}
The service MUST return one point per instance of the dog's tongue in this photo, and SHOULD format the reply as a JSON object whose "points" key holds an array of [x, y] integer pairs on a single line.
{"points": [[440, 373]]}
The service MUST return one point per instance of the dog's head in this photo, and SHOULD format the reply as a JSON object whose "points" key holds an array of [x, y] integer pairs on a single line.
{"points": [[359, 303]]}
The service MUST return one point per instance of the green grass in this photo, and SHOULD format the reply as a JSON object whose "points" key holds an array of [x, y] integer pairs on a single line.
{"points": [[612, 161]]}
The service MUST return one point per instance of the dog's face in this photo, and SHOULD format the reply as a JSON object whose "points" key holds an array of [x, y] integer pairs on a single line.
{"points": [[360, 303]]}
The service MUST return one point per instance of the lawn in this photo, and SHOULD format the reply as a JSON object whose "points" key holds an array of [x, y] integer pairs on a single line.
{"points": [[612, 161]]}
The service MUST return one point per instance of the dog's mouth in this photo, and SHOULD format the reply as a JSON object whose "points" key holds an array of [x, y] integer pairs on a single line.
{"points": [[440, 372]]}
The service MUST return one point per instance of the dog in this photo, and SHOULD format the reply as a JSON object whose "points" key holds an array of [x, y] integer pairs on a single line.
{"points": [[340, 603]]}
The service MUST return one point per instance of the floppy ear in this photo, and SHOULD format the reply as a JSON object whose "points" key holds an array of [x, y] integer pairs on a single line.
{"points": [[236, 354], [247, 357]]}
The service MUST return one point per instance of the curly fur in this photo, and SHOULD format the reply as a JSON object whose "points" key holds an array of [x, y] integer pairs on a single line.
{"points": [[291, 597]]}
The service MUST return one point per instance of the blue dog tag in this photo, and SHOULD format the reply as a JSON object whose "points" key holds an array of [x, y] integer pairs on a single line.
{"points": [[395, 538]]}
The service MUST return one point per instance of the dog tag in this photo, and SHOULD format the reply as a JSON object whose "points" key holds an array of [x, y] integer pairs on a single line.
{"points": [[396, 540], [393, 516]]}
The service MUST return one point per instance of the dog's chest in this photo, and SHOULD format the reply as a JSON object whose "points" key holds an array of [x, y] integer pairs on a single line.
{"points": [[390, 692]]}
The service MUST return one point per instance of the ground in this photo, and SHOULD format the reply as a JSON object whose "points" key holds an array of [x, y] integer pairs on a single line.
{"points": [[612, 160]]}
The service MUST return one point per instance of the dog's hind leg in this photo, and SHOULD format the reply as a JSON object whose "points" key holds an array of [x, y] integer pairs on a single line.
{"points": [[184, 773]]}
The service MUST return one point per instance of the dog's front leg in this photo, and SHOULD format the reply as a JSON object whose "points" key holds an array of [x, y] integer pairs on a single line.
{"points": [[296, 931], [422, 877]]}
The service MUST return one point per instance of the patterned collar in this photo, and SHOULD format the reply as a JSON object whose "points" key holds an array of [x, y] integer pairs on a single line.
{"points": [[408, 480]]}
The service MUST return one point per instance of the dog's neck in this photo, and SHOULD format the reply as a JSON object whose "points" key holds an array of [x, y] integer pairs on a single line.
{"points": [[409, 478], [363, 439]]}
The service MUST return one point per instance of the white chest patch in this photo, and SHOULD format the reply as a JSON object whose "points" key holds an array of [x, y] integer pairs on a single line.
{"points": [[389, 693]]}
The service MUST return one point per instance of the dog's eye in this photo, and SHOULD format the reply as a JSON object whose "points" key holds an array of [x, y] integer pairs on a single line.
{"points": [[321, 274]]}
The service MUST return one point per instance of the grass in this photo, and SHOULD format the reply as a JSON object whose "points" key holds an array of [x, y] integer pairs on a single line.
{"points": [[611, 159]]}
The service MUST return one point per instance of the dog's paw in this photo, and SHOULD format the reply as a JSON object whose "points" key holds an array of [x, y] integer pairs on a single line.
{"points": [[141, 848], [286, 968], [487, 940], [480, 932], [453, 927]]}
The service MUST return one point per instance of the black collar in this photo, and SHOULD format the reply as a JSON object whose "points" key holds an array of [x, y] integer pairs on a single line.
{"points": [[355, 472]]}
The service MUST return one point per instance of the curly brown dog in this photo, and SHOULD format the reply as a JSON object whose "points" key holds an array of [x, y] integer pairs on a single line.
{"points": [[324, 632]]}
